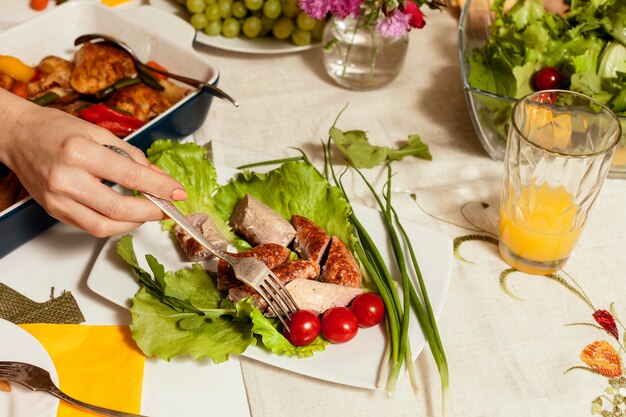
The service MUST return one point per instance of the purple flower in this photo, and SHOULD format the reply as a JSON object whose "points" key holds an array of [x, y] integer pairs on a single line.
{"points": [[317, 9], [344, 8], [394, 26]]}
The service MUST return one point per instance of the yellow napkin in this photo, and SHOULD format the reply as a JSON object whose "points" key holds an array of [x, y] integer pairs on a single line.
{"points": [[100, 365]]}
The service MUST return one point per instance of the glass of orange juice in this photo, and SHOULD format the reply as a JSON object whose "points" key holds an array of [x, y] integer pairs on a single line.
{"points": [[559, 150]]}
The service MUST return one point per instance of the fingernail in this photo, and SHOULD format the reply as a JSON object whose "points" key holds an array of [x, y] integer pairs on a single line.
{"points": [[156, 168], [179, 194]]}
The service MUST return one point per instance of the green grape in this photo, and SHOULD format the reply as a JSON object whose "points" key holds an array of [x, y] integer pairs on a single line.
{"points": [[226, 8], [272, 8], [231, 27], [305, 22], [318, 30], [239, 9], [290, 8], [212, 13], [213, 28], [252, 27], [195, 6], [198, 21], [267, 23], [301, 37], [254, 4], [283, 28], [207, 2]]}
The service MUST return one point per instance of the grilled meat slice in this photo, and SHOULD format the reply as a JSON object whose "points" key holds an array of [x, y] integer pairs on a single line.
{"points": [[259, 224], [142, 102], [311, 241], [285, 272], [270, 254], [320, 296], [341, 267], [194, 250], [98, 65], [53, 72]]}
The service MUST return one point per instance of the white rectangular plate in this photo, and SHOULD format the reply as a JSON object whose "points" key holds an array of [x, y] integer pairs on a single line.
{"points": [[355, 363]]}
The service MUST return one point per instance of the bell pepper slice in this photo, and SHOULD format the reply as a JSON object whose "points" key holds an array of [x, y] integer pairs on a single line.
{"points": [[117, 128], [100, 112]]}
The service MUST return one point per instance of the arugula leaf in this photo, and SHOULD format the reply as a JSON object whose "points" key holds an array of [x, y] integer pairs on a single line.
{"points": [[356, 147]]}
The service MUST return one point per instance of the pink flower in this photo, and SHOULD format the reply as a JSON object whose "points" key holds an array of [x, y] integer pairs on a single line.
{"points": [[345, 8], [317, 9], [393, 26], [417, 16]]}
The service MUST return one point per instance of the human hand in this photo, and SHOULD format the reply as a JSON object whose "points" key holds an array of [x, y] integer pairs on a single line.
{"points": [[60, 160]]}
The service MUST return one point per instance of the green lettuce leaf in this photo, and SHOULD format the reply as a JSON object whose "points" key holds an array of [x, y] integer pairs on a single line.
{"points": [[188, 163], [293, 188]]}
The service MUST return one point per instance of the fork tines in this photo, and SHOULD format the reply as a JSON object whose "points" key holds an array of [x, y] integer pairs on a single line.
{"points": [[279, 300]]}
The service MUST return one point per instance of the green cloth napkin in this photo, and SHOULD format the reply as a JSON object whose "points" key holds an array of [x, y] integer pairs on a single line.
{"points": [[19, 309]]}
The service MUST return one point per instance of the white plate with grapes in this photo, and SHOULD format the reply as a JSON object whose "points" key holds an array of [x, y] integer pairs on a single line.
{"points": [[246, 34]]}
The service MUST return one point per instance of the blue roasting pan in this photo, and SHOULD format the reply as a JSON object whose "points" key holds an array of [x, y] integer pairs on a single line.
{"points": [[154, 34]]}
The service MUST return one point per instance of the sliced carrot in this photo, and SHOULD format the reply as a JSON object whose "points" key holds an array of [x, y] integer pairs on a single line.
{"points": [[158, 66], [19, 89], [38, 4]]}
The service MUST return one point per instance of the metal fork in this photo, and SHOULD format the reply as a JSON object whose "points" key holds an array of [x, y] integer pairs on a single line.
{"points": [[38, 379], [250, 271]]}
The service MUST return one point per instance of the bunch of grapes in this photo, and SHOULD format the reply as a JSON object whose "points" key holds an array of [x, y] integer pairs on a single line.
{"points": [[281, 19]]}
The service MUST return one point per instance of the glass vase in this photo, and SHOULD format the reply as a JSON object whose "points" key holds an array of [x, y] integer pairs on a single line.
{"points": [[356, 56]]}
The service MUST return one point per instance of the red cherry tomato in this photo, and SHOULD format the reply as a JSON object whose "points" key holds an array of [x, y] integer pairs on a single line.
{"points": [[339, 325], [304, 326], [548, 78], [369, 309]]}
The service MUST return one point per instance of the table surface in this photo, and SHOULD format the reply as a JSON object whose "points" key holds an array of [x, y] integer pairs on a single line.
{"points": [[507, 337]]}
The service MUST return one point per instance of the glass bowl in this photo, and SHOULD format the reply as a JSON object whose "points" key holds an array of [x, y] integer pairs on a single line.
{"points": [[490, 112]]}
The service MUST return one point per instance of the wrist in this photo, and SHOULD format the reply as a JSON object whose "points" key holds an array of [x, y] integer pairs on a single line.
{"points": [[15, 114]]}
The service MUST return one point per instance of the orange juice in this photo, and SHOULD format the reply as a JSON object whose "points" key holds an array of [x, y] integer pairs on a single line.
{"points": [[538, 231]]}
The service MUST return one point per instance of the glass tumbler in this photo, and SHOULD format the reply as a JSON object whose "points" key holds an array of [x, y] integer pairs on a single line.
{"points": [[559, 150]]}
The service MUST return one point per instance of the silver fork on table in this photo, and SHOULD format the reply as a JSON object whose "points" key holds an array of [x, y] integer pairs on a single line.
{"points": [[38, 379], [250, 271]]}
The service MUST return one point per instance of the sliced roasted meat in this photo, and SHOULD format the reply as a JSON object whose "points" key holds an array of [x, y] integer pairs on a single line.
{"points": [[270, 254], [320, 296], [286, 272], [194, 250], [311, 240], [341, 267], [98, 65], [259, 224], [142, 102], [54, 72]]}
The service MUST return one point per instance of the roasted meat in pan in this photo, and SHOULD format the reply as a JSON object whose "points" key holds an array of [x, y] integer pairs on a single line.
{"points": [[270, 254], [140, 101], [6, 81], [286, 272], [54, 72], [311, 241], [341, 267], [259, 224], [194, 250], [98, 65]]}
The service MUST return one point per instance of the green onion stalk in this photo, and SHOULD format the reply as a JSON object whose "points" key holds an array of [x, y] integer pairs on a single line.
{"points": [[425, 315]]}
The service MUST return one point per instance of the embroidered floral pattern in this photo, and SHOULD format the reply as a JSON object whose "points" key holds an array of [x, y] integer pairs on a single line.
{"points": [[602, 357], [606, 320]]}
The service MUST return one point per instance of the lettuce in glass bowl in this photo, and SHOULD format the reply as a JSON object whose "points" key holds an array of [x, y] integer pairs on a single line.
{"points": [[500, 51]]}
